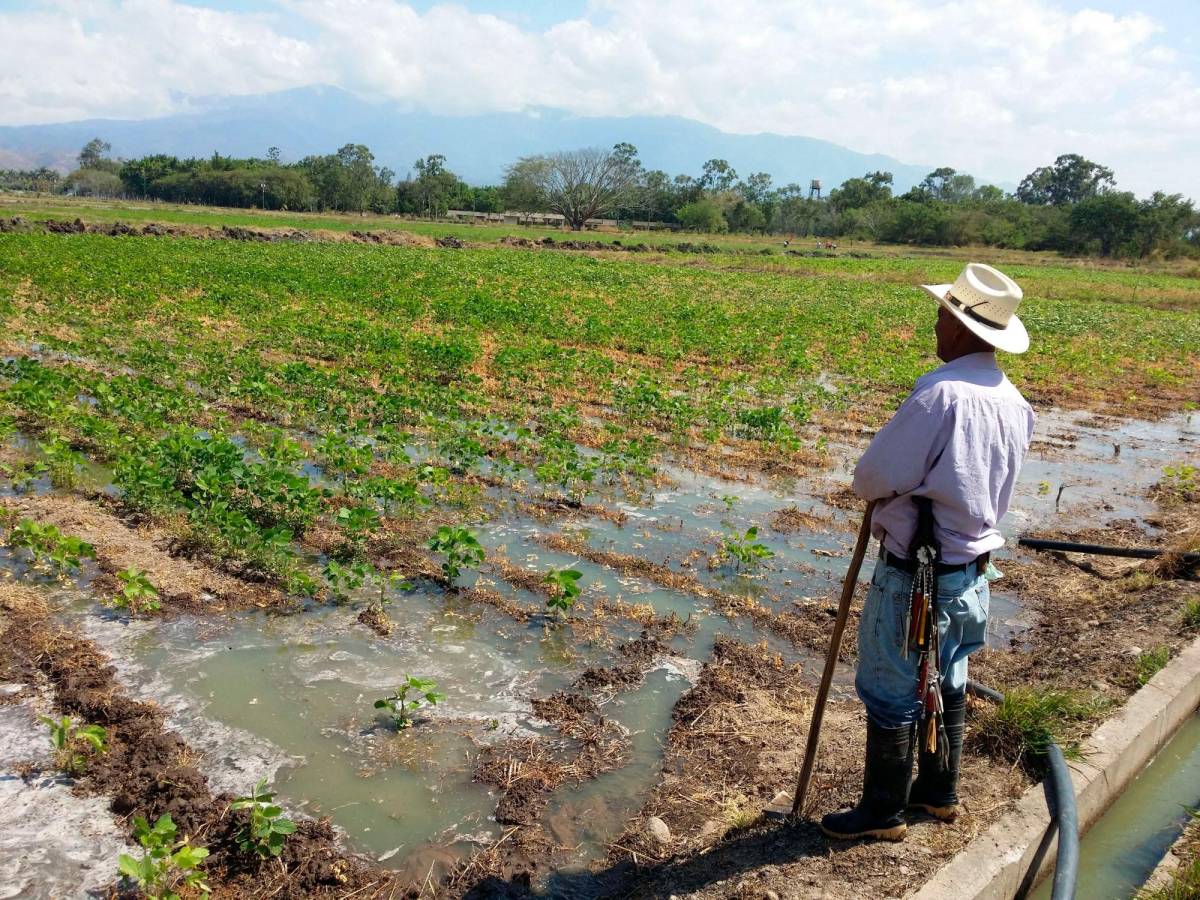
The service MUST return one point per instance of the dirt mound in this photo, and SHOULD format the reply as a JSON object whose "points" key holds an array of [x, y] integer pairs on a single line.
{"points": [[147, 770], [239, 233], [181, 583], [14, 223], [689, 247], [450, 242]]}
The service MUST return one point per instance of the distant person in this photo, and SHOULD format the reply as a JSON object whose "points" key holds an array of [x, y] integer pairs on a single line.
{"points": [[959, 439]]}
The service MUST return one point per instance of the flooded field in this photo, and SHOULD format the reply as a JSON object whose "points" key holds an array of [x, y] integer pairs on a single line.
{"points": [[289, 696], [615, 558]]}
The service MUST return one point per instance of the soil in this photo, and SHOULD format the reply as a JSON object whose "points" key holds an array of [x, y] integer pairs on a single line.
{"points": [[736, 740], [377, 620], [147, 770], [182, 584]]}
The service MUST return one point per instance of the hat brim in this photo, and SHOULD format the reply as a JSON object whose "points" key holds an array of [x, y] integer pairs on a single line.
{"points": [[1011, 339]]}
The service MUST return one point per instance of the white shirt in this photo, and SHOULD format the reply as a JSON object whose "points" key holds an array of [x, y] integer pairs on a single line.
{"points": [[959, 438]]}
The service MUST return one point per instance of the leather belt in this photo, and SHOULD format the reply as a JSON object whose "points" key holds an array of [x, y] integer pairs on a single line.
{"points": [[910, 566]]}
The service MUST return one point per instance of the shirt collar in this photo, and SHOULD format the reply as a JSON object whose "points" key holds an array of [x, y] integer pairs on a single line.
{"points": [[971, 361]]}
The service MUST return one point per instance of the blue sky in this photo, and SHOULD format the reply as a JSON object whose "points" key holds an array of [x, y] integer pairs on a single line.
{"points": [[992, 87]]}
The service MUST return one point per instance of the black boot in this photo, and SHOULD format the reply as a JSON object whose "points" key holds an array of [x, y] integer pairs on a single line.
{"points": [[879, 813], [936, 789]]}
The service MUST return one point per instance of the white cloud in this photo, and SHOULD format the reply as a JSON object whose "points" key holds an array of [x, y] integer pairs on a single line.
{"points": [[991, 88]]}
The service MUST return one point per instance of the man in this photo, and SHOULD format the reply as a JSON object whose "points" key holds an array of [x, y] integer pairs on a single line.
{"points": [[959, 440]]}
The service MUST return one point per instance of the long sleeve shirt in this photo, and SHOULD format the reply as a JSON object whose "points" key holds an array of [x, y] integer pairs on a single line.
{"points": [[960, 439]]}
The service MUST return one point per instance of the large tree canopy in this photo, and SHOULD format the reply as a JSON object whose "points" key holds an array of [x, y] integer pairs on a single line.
{"points": [[1069, 180], [577, 184]]}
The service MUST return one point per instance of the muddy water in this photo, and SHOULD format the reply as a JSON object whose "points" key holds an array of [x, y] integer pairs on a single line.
{"points": [[290, 697]]}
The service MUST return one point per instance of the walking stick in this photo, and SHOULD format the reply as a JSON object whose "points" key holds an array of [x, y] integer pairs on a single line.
{"points": [[835, 643]]}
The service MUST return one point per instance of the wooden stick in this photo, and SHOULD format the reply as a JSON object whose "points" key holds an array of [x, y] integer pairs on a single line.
{"points": [[835, 644]]}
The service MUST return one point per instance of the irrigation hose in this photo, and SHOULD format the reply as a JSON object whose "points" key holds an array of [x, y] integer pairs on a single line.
{"points": [[1103, 549], [1064, 817]]}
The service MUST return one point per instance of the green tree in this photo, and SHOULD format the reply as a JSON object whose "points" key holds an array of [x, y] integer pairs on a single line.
{"points": [[702, 215], [93, 153], [1070, 179], [577, 184], [1164, 223], [855, 193], [1107, 222], [947, 185], [717, 175]]}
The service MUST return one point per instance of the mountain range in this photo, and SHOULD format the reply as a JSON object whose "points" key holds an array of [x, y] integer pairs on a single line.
{"points": [[313, 120]]}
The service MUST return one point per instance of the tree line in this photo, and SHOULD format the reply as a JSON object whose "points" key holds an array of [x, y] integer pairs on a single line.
{"points": [[1071, 206]]}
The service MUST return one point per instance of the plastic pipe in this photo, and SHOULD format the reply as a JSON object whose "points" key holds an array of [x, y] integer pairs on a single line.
{"points": [[1064, 817], [1103, 550]]}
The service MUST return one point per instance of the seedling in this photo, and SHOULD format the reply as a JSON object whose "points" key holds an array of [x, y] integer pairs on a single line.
{"points": [[267, 830], [1179, 483], [565, 584], [166, 866], [62, 463], [408, 698], [1191, 614], [137, 594], [345, 578], [357, 523], [745, 549], [461, 548], [73, 745], [49, 547]]}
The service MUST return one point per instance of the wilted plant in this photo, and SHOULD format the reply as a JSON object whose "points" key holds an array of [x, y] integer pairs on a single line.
{"points": [[410, 696], [74, 744], [267, 830], [137, 594], [166, 865], [565, 583], [461, 548]]}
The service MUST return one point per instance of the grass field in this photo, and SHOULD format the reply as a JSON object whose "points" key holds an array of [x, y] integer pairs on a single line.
{"points": [[354, 431]]}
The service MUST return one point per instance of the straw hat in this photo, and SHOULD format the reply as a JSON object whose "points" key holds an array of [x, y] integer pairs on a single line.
{"points": [[985, 300]]}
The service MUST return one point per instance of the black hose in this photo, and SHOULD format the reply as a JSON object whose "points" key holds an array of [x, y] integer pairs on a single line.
{"points": [[1066, 866], [1103, 549], [1064, 817]]}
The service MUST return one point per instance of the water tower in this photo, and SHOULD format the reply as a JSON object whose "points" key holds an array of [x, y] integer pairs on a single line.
{"points": [[814, 189]]}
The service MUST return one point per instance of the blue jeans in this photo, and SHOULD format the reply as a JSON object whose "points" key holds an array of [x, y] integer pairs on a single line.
{"points": [[887, 673]]}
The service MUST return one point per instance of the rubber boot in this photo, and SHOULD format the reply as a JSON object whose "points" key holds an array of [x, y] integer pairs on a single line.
{"points": [[880, 812], [936, 789]]}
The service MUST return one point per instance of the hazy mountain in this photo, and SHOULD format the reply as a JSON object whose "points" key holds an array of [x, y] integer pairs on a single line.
{"points": [[321, 119]]}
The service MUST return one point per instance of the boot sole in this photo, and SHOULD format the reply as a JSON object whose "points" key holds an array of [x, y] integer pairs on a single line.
{"points": [[941, 813], [895, 833]]}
